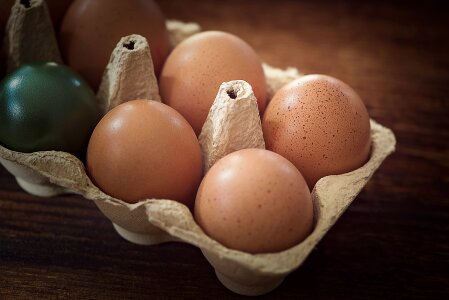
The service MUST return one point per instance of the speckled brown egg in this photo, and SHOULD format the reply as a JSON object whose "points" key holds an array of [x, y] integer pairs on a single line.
{"points": [[256, 201], [92, 28], [194, 70], [145, 149], [320, 124]]}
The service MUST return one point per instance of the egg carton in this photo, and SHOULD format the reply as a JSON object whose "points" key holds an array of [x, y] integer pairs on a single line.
{"points": [[155, 221]]}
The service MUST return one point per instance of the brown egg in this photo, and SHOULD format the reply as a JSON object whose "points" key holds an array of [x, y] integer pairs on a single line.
{"points": [[255, 201], [195, 69], [145, 149], [320, 124], [92, 28]]}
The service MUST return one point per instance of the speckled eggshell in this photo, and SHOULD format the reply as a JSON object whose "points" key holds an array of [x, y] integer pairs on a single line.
{"points": [[92, 28], [256, 201], [320, 124], [196, 68], [145, 149]]}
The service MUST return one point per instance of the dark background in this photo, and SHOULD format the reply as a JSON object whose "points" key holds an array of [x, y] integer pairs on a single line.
{"points": [[392, 242]]}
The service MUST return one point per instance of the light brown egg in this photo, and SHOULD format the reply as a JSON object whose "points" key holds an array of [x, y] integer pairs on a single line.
{"points": [[92, 28], [320, 124], [255, 201], [197, 67], [145, 149]]}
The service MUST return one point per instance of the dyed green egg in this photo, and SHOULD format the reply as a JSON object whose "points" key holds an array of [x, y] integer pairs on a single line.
{"points": [[46, 106]]}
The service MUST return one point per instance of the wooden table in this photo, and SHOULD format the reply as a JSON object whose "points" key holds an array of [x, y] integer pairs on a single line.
{"points": [[392, 242]]}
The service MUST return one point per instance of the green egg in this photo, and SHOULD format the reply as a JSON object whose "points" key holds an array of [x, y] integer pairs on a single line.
{"points": [[46, 106]]}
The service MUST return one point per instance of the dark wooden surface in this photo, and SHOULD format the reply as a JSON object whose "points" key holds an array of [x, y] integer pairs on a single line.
{"points": [[392, 242]]}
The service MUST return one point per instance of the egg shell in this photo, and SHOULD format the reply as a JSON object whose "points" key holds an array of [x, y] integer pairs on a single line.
{"points": [[197, 67], [320, 124], [145, 149], [256, 201], [46, 106], [92, 28]]}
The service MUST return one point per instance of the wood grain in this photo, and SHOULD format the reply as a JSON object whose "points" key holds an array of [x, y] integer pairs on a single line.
{"points": [[392, 243]]}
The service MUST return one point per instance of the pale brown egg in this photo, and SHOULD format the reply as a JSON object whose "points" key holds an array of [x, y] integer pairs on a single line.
{"points": [[92, 28], [320, 124], [195, 69], [145, 149], [256, 201]]}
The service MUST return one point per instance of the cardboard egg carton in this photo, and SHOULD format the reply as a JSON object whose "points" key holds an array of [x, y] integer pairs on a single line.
{"points": [[154, 221]]}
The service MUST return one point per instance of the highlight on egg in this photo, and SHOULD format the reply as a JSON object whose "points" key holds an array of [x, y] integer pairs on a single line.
{"points": [[320, 124], [195, 69]]}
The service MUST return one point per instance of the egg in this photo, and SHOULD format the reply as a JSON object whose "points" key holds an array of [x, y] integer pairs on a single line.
{"points": [[92, 28], [145, 149], [196, 68], [46, 106], [256, 201], [320, 124]]}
